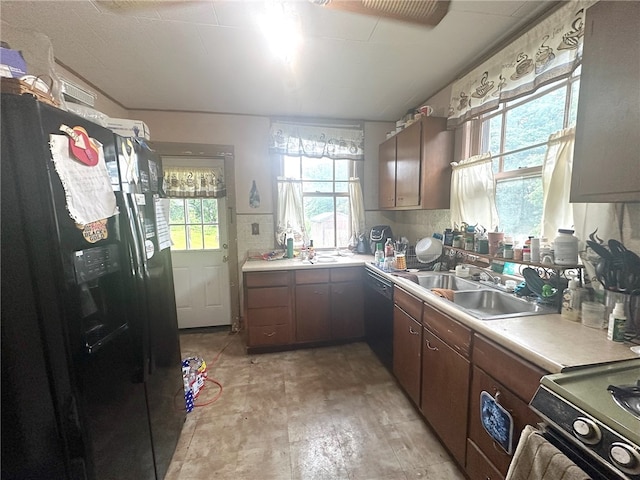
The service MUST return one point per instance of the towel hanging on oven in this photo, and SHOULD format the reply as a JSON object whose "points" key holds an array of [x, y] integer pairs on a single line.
{"points": [[537, 459]]}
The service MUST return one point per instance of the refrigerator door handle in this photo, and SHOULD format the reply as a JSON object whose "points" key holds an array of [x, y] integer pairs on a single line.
{"points": [[135, 242]]}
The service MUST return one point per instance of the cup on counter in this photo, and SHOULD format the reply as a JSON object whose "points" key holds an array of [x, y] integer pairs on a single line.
{"points": [[495, 238], [593, 314]]}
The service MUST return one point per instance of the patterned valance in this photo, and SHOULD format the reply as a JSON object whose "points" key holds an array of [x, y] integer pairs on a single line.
{"points": [[548, 52], [194, 182], [317, 141]]}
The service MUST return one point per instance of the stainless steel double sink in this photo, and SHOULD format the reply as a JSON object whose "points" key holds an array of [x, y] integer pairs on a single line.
{"points": [[479, 300]]}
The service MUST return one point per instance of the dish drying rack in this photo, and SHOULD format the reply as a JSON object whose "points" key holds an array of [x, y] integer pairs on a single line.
{"points": [[413, 263]]}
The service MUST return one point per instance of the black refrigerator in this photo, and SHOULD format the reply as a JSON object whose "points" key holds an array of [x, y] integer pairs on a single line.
{"points": [[91, 375]]}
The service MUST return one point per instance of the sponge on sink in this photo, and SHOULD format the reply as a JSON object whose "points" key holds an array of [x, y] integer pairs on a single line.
{"points": [[444, 293]]}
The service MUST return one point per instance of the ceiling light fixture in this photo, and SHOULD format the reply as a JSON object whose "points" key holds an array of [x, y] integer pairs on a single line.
{"points": [[281, 27]]}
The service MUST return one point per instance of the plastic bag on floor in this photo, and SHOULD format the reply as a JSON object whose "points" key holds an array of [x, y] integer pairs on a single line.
{"points": [[194, 374]]}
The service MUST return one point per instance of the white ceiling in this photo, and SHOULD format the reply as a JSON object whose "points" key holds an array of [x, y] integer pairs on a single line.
{"points": [[210, 56]]}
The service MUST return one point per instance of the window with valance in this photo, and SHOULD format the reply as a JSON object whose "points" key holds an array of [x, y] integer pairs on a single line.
{"points": [[548, 52], [319, 194]]}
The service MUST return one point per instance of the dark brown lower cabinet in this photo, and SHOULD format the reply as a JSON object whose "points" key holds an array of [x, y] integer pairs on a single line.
{"points": [[313, 312], [445, 392], [446, 371], [478, 466], [268, 308], [407, 350], [511, 381]]}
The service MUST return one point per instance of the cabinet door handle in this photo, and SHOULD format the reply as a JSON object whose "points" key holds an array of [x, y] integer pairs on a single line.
{"points": [[412, 331], [269, 334], [430, 347]]}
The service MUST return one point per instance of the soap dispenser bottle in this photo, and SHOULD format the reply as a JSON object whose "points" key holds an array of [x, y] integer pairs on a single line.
{"points": [[572, 301]]}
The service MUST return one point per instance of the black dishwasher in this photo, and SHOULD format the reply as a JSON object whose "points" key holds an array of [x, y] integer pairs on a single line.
{"points": [[378, 316]]}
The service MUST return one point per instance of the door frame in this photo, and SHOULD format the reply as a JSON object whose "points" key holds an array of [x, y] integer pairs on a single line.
{"points": [[203, 150]]}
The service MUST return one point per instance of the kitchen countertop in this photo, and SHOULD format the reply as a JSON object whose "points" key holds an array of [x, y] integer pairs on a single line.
{"points": [[297, 264], [548, 341]]}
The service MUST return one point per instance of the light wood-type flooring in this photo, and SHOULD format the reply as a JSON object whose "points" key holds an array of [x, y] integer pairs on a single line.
{"points": [[330, 413]]}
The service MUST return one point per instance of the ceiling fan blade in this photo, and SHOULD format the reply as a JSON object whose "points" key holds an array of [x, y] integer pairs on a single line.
{"points": [[423, 12], [132, 5]]}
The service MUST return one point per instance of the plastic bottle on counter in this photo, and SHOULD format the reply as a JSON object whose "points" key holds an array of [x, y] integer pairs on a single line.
{"points": [[535, 250], [617, 322], [290, 247], [388, 248], [572, 301], [379, 255], [311, 252]]}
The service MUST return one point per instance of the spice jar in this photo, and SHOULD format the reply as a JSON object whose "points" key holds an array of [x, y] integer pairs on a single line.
{"points": [[508, 251]]}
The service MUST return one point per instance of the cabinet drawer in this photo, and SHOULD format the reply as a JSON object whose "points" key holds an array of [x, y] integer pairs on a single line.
{"points": [[408, 303], [519, 410], [267, 297], [268, 316], [346, 274], [456, 335], [516, 374], [266, 279], [270, 335], [312, 276], [478, 467]]}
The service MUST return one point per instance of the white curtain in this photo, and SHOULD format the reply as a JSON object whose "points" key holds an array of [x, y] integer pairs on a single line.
{"points": [[556, 183], [356, 204], [473, 192], [557, 211], [290, 211]]}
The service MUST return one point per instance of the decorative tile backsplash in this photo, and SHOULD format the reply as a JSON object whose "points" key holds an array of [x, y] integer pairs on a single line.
{"points": [[264, 240]]}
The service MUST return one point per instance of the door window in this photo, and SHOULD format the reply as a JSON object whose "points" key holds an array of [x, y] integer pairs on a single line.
{"points": [[194, 224]]}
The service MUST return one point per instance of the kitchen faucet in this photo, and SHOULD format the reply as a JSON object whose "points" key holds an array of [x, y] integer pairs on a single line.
{"points": [[486, 276]]}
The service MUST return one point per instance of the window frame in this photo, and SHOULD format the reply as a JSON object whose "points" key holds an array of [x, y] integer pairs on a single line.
{"points": [[188, 223], [475, 134], [334, 194]]}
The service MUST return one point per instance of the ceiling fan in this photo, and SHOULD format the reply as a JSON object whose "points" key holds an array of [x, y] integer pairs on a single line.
{"points": [[423, 12]]}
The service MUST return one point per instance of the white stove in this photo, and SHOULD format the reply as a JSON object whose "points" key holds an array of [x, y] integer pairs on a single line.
{"points": [[589, 423]]}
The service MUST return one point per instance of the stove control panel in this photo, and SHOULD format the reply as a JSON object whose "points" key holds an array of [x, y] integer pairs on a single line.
{"points": [[625, 457], [588, 434], [586, 430]]}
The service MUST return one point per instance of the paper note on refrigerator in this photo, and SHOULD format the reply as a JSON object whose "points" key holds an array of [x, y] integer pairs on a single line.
{"points": [[162, 222], [87, 188]]}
